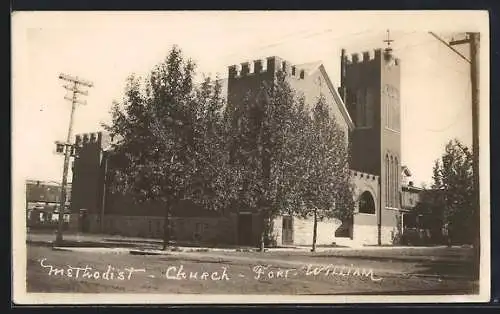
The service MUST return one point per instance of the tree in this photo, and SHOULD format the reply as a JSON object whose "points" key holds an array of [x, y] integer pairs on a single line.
{"points": [[290, 159], [261, 129], [430, 208], [170, 138], [452, 176], [324, 183]]}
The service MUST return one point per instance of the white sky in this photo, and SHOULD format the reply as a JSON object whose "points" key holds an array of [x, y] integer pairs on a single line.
{"points": [[106, 47]]}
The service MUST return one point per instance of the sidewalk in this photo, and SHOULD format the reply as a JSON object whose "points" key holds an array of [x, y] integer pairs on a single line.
{"points": [[149, 243], [122, 241], [398, 262]]}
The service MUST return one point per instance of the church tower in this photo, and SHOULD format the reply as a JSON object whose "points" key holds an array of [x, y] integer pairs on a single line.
{"points": [[370, 86]]}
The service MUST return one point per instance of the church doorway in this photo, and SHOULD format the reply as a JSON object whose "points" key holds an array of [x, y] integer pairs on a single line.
{"points": [[287, 230], [245, 235], [366, 203]]}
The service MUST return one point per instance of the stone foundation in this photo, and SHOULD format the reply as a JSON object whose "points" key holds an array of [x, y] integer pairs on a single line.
{"points": [[303, 231]]}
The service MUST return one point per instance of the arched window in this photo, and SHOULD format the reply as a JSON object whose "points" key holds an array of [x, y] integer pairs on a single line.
{"points": [[370, 99], [366, 203], [360, 108], [396, 181], [387, 194], [391, 182], [389, 113]]}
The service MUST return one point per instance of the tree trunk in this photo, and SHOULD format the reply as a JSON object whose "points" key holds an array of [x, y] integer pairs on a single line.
{"points": [[262, 244], [166, 227], [315, 230]]}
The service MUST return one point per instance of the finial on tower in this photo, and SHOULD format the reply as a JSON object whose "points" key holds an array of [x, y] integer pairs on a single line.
{"points": [[388, 41]]}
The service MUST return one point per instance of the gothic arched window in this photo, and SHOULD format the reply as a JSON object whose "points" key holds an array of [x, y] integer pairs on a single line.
{"points": [[396, 181], [387, 194], [369, 107], [390, 182], [361, 108]]}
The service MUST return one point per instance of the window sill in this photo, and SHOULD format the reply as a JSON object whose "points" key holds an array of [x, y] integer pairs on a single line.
{"points": [[393, 130], [392, 208], [368, 214]]}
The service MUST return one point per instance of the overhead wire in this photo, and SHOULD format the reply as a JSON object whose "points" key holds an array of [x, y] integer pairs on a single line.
{"points": [[303, 37], [299, 35]]}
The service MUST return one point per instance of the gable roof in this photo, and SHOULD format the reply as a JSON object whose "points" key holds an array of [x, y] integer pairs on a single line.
{"points": [[334, 91], [309, 67]]}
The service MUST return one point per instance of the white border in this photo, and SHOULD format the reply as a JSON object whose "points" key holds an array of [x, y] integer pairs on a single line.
{"points": [[421, 20]]}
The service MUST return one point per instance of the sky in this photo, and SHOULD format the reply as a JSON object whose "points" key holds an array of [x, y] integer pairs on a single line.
{"points": [[106, 47]]}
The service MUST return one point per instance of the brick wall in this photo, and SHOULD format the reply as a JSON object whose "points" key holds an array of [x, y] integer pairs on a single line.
{"points": [[193, 229], [87, 182]]}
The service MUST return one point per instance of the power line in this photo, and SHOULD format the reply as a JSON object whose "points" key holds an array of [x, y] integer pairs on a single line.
{"points": [[315, 34], [450, 46]]}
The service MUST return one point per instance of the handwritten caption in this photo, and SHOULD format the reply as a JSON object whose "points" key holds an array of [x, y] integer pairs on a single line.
{"points": [[179, 272]]}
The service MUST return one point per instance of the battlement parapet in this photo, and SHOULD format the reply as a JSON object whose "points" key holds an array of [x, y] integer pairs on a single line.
{"points": [[88, 138], [363, 175], [365, 56], [269, 65]]}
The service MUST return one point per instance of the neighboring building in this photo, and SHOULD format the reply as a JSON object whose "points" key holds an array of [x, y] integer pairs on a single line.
{"points": [[43, 201], [366, 106], [410, 198]]}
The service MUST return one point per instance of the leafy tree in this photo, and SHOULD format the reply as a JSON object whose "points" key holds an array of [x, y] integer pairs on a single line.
{"points": [[323, 187], [452, 176], [261, 129], [170, 140], [290, 159], [430, 206]]}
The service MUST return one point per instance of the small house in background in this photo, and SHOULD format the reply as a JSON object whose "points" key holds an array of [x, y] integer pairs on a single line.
{"points": [[43, 202], [422, 217], [410, 197]]}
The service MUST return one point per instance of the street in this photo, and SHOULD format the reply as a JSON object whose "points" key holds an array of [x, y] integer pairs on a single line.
{"points": [[347, 271]]}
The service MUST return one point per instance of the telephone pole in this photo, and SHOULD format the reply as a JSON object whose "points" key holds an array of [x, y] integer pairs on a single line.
{"points": [[472, 39], [74, 87]]}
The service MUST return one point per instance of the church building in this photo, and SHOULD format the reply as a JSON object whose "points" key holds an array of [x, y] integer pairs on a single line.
{"points": [[366, 106]]}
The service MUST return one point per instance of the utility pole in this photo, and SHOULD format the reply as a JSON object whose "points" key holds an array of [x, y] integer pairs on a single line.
{"points": [[472, 39], [74, 88]]}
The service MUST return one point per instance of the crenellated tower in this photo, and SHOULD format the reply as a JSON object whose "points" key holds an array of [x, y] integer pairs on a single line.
{"points": [[370, 84], [88, 172], [247, 78]]}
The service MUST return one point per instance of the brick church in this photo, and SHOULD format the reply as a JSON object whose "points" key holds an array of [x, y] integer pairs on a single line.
{"points": [[367, 107]]}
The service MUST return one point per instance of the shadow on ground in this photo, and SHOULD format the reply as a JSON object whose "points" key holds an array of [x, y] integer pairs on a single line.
{"points": [[89, 244], [462, 269]]}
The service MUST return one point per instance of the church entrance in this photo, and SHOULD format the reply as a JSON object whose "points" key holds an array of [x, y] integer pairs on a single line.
{"points": [[84, 221], [245, 229], [287, 230]]}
